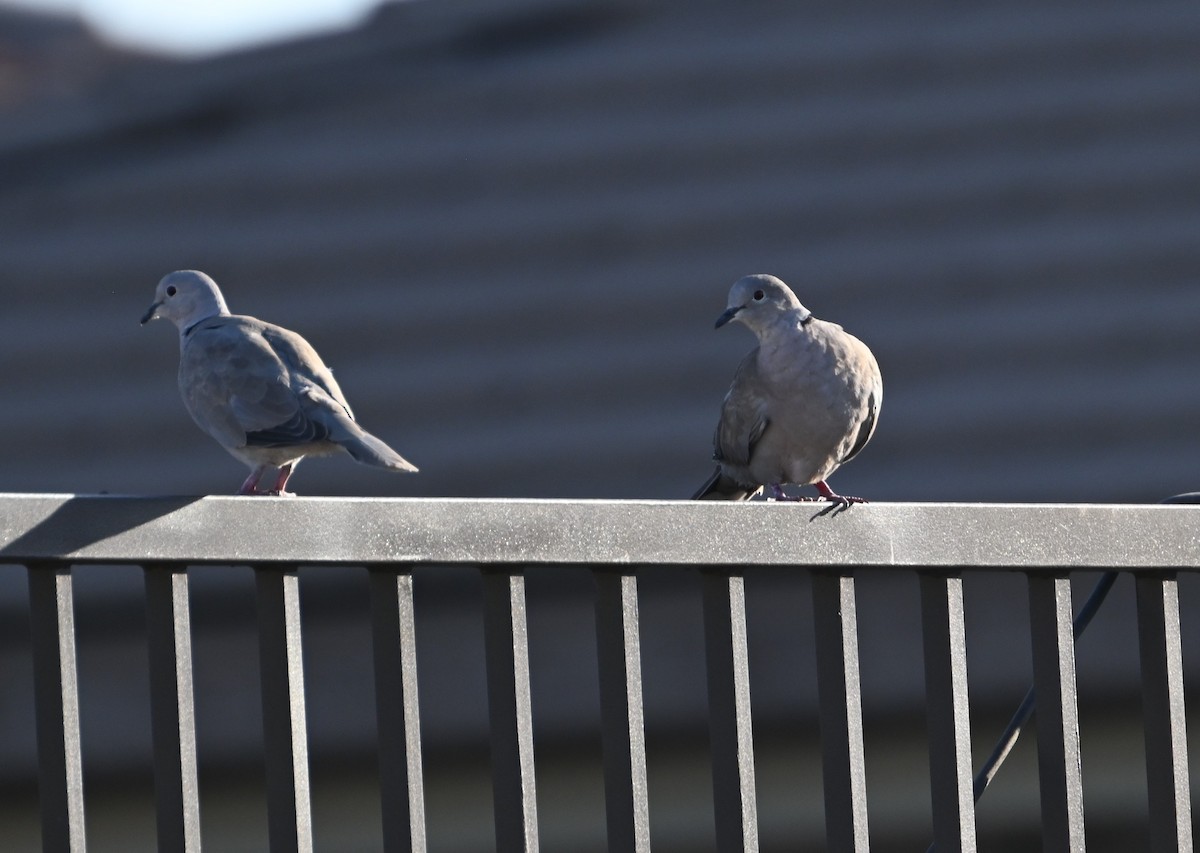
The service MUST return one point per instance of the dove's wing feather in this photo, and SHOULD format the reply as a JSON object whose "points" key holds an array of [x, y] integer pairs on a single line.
{"points": [[324, 413], [855, 385], [234, 383], [744, 415], [303, 364], [865, 430], [743, 421], [298, 430]]}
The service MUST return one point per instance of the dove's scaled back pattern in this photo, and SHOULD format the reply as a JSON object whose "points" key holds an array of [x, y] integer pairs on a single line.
{"points": [[260, 390], [802, 403]]}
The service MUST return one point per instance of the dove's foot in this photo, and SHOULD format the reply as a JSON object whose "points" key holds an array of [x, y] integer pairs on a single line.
{"points": [[833, 497], [250, 487], [266, 493], [826, 494]]}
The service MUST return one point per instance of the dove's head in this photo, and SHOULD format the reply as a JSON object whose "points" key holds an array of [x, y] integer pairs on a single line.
{"points": [[762, 301], [186, 297]]}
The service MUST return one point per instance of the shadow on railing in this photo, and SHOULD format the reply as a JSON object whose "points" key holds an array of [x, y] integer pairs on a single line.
{"points": [[52, 535]]}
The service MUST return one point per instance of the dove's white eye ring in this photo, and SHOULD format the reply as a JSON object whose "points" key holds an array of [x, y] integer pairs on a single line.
{"points": [[171, 291], [758, 296]]}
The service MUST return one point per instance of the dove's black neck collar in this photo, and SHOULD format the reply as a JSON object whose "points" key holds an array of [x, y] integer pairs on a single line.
{"points": [[806, 319], [188, 331]]}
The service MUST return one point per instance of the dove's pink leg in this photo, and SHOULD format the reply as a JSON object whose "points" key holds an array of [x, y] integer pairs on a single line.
{"points": [[285, 471], [250, 487]]}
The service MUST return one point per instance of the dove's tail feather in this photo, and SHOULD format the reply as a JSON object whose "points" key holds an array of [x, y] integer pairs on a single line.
{"points": [[720, 487], [369, 450]]}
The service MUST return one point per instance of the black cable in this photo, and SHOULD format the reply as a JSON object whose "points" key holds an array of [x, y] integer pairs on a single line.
{"points": [[1025, 710]]}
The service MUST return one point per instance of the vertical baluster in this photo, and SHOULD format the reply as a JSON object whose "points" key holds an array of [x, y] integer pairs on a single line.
{"points": [[1165, 720], [172, 712], [943, 626], [510, 710], [56, 695], [729, 713], [285, 736], [844, 757], [397, 711], [618, 649], [1059, 756]]}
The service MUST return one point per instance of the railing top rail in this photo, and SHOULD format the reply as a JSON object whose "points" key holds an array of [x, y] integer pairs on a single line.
{"points": [[447, 531]]}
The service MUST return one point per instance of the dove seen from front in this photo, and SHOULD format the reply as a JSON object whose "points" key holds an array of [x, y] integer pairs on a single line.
{"points": [[803, 402], [260, 390]]}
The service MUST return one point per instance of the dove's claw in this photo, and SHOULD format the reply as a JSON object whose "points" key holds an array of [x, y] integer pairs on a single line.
{"points": [[826, 494], [832, 496]]}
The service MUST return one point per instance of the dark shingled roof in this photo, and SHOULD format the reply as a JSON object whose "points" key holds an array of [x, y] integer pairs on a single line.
{"points": [[509, 232]]}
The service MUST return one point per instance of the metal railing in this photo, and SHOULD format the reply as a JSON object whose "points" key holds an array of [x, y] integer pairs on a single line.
{"points": [[56, 535]]}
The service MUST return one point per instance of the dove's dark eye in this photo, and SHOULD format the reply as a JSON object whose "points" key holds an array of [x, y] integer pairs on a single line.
{"points": [[758, 296], [171, 290]]}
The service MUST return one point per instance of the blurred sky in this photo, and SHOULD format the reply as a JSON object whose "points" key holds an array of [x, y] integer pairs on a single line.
{"points": [[203, 27]]}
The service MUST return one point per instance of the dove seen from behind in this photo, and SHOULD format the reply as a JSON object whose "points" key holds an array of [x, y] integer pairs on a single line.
{"points": [[260, 390], [802, 403]]}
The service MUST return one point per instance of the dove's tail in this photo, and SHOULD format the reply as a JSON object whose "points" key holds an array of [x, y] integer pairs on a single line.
{"points": [[720, 487], [369, 450]]}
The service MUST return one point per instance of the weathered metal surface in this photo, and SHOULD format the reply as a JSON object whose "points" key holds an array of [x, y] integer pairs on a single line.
{"points": [[315, 531], [615, 539]]}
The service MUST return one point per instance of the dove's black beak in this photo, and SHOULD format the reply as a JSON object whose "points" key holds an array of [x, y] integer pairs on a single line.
{"points": [[727, 316], [149, 315]]}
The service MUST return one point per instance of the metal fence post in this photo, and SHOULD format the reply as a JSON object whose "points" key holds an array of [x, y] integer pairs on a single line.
{"points": [[729, 715], [1059, 757], [948, 712], [1165, 719], [172, 709], [285, 732], [56, 695], [618, 649], [398, 713], [510, 708], [835, 620]]}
